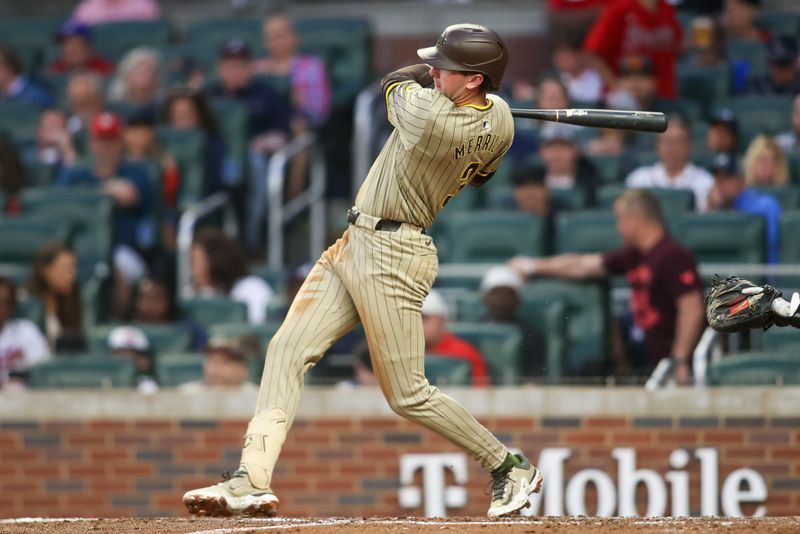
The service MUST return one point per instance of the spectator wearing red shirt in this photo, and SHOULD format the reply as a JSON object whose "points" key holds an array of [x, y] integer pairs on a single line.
{"points": [[440, 342], [77, 52], [666, 291], [637, 27]]}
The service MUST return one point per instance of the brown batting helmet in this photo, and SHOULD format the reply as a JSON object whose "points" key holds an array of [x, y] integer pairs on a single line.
{"points": [[469, 48]]}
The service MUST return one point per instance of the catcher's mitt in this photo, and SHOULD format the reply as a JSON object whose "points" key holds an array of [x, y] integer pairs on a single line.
{"points": [[734, 304]]}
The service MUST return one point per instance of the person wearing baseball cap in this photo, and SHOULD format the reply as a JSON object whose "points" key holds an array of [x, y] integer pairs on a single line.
{"points": [[127, 183], [730, 192], [565, 166], [226, 365], [131, 342], [439, 341], [723, 132], [783, 75], [77, 51]]}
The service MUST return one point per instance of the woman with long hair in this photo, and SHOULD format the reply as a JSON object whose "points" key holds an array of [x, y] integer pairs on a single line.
{"points": [[765, 163]]}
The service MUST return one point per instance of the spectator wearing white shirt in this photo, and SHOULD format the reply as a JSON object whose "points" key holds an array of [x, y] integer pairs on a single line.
{"points": [[790, 141], [22, 344], [674, 170], [583, 82]]}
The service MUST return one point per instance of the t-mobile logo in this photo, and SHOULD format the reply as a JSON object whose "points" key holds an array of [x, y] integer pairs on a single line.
{"points": [[437, 497]]}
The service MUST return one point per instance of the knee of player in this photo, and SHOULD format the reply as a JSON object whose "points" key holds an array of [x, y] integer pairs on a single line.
{"points": [[406, 401]]}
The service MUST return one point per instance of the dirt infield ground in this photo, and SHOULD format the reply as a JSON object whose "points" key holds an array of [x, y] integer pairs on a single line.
{"points": [[549, 525]]}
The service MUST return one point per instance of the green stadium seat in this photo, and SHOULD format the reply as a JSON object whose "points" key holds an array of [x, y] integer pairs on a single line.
{"points": [[755, 369], [753, 53], [174, 369], [232, 119], [345, 44], [94, 371], [113, 39], [19, 120], [584, 322], [760, 114], [499, 344], [29, 36], [790, 244], [704, 85], [779, 22], [89, 213], [685, 107], [162, 337], [263, 332], [39, 174], [21, 237], [443, 371], [188, 147], [210, 311], [609, 168], [787, 195], [722, 237], [586, 231], [781, 340], [672, 200], [207, 36], [32, 309], [490, 236]]}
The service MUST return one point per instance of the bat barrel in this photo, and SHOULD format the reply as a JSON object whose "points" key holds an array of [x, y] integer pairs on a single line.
{"points": [[643, 121]]}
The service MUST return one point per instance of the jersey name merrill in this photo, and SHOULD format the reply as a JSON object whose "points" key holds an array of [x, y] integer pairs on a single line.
{"points": [[435, 150]]}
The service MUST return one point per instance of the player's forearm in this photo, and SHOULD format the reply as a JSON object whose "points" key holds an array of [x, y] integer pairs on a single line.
{"points": [[414, 73], [573, 266], [688, 325]]}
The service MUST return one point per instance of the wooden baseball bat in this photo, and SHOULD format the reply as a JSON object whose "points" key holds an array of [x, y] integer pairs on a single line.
{"points": [[643, 121]]}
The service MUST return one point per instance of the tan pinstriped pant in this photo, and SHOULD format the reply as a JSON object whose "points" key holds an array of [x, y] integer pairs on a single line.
{"points": [[380, 278]]}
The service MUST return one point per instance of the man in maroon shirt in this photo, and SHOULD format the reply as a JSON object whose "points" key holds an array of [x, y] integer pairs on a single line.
{"points": [[637, 27], [666, 291], [77, 52]]}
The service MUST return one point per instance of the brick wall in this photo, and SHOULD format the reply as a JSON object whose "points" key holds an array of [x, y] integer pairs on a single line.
{"points": [[350, 466]]}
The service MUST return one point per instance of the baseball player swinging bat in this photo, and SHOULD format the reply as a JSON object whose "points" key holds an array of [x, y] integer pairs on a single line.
{"points": [[643, 121]]}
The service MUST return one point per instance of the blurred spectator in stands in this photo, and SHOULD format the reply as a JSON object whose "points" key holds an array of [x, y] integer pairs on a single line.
{"points": [[636, 84], [54, 281], [22, 344], [723, 132], [790, 141], [610, 142], [219, 268], [127, 183], [54, 145], [666, 290], [311, 93], [731, 192], [16, 86], [439, 341], [130, 342], [155, 303], [12, 177], [501, 287], [783, 75], [565, 166], [189, 109], [100, 11], [140, 139], [765, 163], [226, 366], [571, 18], [531, 195], [268, 125], [139, 81], [584, 84], [85, 101], [77, 52], [637, 27], [739, 21], [362, 366], [674, 170]]}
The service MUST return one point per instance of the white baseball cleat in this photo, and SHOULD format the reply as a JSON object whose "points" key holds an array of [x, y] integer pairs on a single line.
{"points": [[512, 485], [233, 496]]}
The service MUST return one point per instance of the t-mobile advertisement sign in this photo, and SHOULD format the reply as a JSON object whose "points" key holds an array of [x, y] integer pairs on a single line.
{"points": [[560, 496]]}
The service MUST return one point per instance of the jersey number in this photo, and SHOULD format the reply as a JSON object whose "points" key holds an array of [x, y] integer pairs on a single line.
{"points": [[466, 177]]}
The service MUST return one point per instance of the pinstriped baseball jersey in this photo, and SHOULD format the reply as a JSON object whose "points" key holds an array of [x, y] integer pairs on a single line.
{"points": [[436, 149]]}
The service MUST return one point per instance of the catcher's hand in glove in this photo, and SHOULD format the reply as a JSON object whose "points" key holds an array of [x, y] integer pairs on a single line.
{"points": [[734, 304]]}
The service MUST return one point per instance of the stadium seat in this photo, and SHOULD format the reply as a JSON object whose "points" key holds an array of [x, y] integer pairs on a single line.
{"points": [[790, 244], [162, 337], [211, 311], [779, 22], [188, 148], [672, 200], [704, 85], [113, 39], [499, 344], [32, 309], [787, 195], [208, 35], [722, 237], [584, 321], [586, 231], [29, 36], [609, 168], [751, 55], [443, 371], [345, 44], [760, 114], [174, 369], [19, 120], [755, 369], [490, 236], [780, 340], [89, 213], [94, 371], [263, 332], [232, 119], [22, 236]]}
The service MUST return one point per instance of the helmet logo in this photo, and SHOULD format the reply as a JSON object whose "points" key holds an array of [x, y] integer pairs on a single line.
{"points": [[440, 42]]}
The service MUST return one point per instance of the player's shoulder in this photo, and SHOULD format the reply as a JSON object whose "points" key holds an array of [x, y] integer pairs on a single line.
{"points": [[498, 103]]}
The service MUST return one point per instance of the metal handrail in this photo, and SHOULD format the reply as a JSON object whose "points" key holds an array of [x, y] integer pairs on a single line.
{"points": [[313, 199], [186, 225], [364, 132]]}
